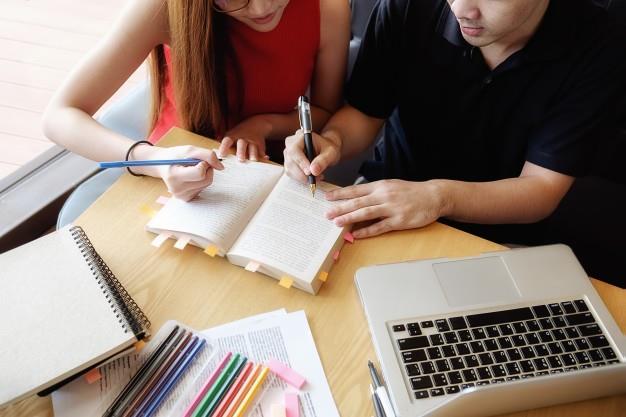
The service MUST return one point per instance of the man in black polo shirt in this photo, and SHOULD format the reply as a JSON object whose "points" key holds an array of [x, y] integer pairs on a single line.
{"points": [[492, 109]]}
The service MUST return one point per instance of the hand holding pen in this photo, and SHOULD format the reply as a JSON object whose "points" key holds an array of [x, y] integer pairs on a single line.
{"points": [[304, 114]]}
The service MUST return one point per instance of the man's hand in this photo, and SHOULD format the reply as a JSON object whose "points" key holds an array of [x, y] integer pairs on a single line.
{"points": [[392, 204], [248, 137], [297, 165]]}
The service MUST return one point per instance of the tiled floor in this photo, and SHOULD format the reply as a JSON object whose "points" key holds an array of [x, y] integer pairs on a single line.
{"points": [[40, 42]]}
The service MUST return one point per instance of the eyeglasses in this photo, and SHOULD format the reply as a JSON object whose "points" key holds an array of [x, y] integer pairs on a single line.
{"points": [[227, 6]]}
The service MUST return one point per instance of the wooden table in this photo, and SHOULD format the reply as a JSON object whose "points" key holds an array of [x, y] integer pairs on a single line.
{"points": [[201, 291]]}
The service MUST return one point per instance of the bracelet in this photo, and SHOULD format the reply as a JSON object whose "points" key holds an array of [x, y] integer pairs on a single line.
{"points": [[128, 155]]}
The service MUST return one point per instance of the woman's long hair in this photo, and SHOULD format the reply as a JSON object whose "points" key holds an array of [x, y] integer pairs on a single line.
{"points": [[198, 54]]}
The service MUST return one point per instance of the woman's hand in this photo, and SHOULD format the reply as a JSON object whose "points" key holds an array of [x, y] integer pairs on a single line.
{"points": [[184, 182], [248, 137]]}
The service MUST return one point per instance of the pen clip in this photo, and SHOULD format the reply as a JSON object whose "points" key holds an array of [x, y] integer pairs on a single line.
{"points": [[304, 114]]}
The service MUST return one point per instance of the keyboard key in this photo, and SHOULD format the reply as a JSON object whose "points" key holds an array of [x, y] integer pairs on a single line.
{"points": [[436, 339], [490, 345], [571, 368], [435, 392], [598, 341], [545, 336], [413, 342], [497, 380], [595, 355], [596, 364], [581, 305], [579, 318], [498, 371], [532, 338], [527, 352], [546, 324], [582, 357], [512, 368], [412, 369], [427, 367], [568, 359], [477, 347], [455, 377], [526, 376], [457, 323], [608, 353], [448, 351], [478, 333], [559, 321], [581, 344], [500, 356], [399, 328], [568, 307], [442, 365], [427, 324], [469, 375], [498, 317], [589, 330], [454, 389], [457, 363], [492, 331], [555, 348], [519, 327], [559, 334], [568, 345], [480, 383], [485, 359], [572, 333], [612, 362], [462, 348], [419, 395], [421, 382], [555, 309], [413, 326], [415, 332], [541, 311], [541, 373], [540, 364], [513, 354], [470, 360], [518, 340], [527, 366], [532, 325], [433, 353], [483, 373], [440, 380], [450, 337], [541, 350], [504, 342], [414, 355], [554, 362], [464, 335], [505, 329], [442, 325], [468, 385]]}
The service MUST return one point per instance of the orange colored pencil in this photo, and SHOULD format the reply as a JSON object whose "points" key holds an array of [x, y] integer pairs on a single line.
{"points": [[245, 387]]}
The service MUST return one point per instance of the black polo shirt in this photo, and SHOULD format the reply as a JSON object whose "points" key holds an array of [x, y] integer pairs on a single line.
{"points": [[450, 116]]}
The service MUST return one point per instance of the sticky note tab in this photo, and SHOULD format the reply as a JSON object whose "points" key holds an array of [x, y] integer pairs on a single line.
{"points": [[93, 376], [278, 410], [211, 250], [336, 255], [162, 200], [348, 237], [253, 266], [292, 404], [286, 282], [182, 242], [323, 276], [147, 210], [158, 241], [286, 373], [139, 345]]}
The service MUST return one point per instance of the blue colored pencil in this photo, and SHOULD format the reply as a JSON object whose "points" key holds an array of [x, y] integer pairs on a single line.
{"points": [[149, 162]]}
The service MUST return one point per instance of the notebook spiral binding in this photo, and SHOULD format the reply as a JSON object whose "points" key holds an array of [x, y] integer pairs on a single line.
{"points": [[126, 310]]}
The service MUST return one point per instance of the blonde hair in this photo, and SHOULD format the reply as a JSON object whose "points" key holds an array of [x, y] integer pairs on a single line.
{"points": [[198, 51]]}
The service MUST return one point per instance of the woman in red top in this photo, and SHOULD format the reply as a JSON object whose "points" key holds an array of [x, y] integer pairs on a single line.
{"points": [[230, 69]]}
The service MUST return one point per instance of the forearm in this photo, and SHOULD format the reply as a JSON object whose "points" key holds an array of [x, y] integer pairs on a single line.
{"points": [[353, 130], [513, 200]]}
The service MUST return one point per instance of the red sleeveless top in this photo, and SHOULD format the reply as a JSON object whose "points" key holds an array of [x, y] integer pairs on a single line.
{"points": [[276, 67]]}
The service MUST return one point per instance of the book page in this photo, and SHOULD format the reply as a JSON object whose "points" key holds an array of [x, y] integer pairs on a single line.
{"points": [[222, 210], [290, 231]]}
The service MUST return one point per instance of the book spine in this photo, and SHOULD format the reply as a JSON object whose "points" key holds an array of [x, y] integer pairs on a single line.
{"points": [[129, 315]]}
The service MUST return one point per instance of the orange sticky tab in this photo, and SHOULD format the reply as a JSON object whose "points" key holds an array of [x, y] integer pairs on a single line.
{"points": [[253, 266], [211, 250], [93, 376], [323, 276], [158, 241], [336, 255], [182, 242], [139, 345], [147, 210], [348, 237], [286, 282]]}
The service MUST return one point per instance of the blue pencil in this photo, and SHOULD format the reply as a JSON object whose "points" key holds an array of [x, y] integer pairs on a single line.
{"points": [[122, 164]]}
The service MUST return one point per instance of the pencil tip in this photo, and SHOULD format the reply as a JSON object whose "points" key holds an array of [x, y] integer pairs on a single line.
{"points": [[312, 187]]}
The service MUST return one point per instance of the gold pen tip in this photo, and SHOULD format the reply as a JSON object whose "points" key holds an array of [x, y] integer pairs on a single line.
{"points": [[312, 187]]}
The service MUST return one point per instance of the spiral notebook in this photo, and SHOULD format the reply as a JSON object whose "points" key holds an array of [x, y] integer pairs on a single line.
{"points": [[62, 312]]}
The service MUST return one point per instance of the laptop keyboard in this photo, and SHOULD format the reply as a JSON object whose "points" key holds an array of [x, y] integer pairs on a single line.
{"points": [[446, 355]]}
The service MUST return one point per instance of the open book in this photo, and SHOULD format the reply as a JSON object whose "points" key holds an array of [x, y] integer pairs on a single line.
{"points": [[254, 214]]}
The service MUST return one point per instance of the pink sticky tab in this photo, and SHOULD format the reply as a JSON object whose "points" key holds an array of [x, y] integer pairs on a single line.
{"points": [[286, 373], [292, 405], [348, 237], [182, 242], [336, 255], [93, 376]]}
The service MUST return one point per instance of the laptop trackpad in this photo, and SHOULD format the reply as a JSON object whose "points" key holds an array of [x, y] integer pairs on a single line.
{"points": [[476, 281]]}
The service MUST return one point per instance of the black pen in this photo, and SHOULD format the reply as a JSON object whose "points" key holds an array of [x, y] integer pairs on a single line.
{"points": [[381, 392], [304, 114]]}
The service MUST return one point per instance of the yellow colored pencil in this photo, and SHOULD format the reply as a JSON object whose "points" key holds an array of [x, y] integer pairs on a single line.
{"points": [[252, 392], [230, 410]]}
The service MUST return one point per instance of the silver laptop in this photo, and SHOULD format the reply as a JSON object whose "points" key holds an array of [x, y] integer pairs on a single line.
{"points": [[491, 334]]}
